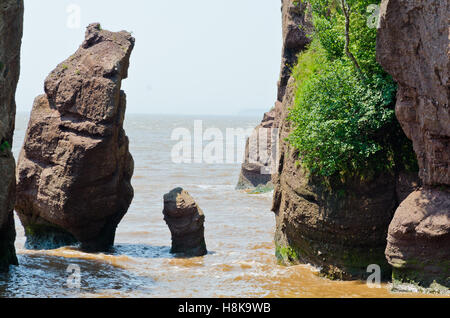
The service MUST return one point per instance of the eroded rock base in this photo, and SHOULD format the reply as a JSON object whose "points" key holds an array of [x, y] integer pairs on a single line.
{"points": [[47, 237], [418, 245]]}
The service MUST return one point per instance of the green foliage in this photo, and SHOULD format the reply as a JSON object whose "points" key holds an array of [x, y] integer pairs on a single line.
{"points": [[260, 189], [5, 146], [286, 254], [344, 121], [329, 23]]}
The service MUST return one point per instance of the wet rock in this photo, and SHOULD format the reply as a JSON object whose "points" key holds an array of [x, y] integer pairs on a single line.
{"points": [[186, 223], [75, 168], [11, 26], [413, 46]]}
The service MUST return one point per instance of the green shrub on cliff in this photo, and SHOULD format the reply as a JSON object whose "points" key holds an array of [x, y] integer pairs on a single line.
{"points": [[343, 112]]}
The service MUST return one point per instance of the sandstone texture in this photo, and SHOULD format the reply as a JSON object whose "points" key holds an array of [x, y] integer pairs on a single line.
{"points": [[258, 165], [419, 238], [186, 223], [413, 46], [74, 170], [11, 25]]}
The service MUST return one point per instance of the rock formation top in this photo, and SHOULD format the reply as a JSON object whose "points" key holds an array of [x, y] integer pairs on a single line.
{"points": [[98, 66], [296, 26]]}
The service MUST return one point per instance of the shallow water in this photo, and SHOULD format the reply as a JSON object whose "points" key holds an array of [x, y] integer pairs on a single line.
{"points": [[239, 235]]}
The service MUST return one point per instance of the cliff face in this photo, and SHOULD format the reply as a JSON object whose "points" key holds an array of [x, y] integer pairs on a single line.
{"points": [[340, 226], [11, 24], [296, 26], [257, 168], [413, 46], [74, 170]]}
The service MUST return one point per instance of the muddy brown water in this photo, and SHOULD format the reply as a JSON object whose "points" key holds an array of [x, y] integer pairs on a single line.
{"points": [[239, 235]]}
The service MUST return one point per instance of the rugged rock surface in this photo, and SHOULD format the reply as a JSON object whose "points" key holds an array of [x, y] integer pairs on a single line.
{"points": [[75, 168], [340, 227], [419, 238], [296, 26], [257, 168], [413, 46], [186, 223], [11, 25]]}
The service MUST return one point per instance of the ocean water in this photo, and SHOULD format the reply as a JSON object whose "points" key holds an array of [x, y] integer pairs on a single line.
{"points": [[239, 232]]}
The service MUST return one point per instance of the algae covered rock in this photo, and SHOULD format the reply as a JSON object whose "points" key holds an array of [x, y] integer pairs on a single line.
{"points": [[74, 170]]}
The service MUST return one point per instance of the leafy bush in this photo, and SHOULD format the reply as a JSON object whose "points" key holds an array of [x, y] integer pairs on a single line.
{"points": [[343, 115]]}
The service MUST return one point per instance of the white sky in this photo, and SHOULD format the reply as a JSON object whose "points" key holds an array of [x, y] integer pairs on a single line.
{"points": [[191, 56]]}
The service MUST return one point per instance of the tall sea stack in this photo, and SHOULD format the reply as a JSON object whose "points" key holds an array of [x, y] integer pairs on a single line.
{"points": [[11, 25], [413, 46], [75, 168], [186, 223]]}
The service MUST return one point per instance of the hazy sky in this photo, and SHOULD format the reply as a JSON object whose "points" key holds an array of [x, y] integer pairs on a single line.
{"points": [[191, 57]]}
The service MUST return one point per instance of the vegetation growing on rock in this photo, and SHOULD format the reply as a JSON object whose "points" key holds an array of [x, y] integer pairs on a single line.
{"points": [[343, 112]]}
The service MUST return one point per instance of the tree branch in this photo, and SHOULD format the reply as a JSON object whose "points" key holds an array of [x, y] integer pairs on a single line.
{"points": [[346, 11]]}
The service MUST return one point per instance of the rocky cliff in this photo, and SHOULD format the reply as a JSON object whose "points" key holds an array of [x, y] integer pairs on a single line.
{"points": [[338, 224], [257, 167], [11, 24], [74, 170], [340, 227], [413, 46]]}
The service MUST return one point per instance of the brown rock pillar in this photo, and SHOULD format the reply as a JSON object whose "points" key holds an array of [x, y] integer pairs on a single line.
{"points": [[186, 223], [413, 46], [75, 168], [11, 26]]}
